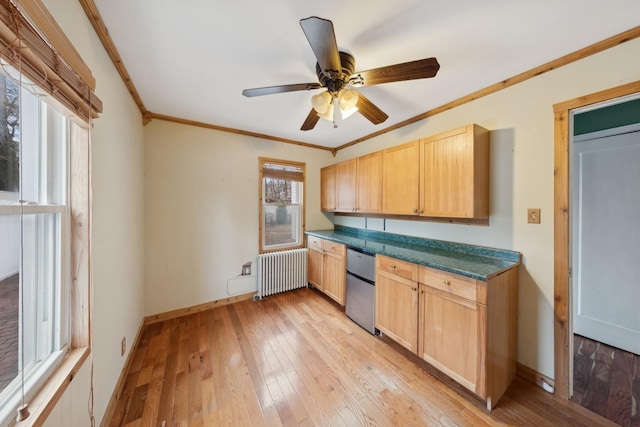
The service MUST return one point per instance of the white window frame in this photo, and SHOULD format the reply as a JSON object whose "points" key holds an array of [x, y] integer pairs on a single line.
{"points": [[263, 247], [47, 374]]}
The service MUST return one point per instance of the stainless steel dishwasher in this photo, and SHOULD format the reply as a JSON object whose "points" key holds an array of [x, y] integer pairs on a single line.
{"points": [[361, 290]]}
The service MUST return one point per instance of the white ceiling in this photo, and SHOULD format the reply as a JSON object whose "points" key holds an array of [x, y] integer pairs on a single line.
{"points": [[191, 59]]}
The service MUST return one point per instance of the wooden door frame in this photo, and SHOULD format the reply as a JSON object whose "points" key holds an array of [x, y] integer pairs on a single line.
{"points": [[562, 285]]}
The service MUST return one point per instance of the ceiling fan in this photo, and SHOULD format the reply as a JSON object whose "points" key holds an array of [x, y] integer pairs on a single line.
{"points": [[335, 70]]}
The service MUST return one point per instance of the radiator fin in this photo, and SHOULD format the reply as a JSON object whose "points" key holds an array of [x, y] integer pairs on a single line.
{"points": [[281, 271]]}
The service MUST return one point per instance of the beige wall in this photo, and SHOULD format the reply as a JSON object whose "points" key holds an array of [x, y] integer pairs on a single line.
{"points": [[201, 210], [117, 236]]}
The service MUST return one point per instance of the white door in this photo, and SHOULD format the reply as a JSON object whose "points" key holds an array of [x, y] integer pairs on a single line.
{"points": [[606, 237]]}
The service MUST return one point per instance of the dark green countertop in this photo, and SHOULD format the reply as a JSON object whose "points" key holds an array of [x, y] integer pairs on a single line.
{"points": [[477, 262]]}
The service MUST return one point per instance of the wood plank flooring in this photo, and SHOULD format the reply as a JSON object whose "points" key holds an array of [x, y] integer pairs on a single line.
{"points": [[296, 359], [606, 380]]}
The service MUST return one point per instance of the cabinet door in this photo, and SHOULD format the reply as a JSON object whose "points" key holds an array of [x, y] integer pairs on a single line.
{"points": [[334, 277], [400, 178], [454, 174], [397, 309], [451, 335], [328, 189], [314, 269], [369, 183], [346, 186]]}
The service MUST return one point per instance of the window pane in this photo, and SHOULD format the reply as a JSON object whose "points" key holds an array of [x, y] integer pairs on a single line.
{"points": [[281, 225], [282, 192], [40, 281], [53, 164], [30, 174], [39, 147], [9, 298], [30, 290], [9, 135], [30, 293]]}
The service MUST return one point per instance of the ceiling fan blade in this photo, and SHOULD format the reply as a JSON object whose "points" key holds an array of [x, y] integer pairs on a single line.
{"points": [[322, 39], [259, 91], [420, 69], [369, 110], [311, 120]]}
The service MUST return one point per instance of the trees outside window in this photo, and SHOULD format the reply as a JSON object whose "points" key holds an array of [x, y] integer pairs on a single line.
{"points": [[9, 128]]}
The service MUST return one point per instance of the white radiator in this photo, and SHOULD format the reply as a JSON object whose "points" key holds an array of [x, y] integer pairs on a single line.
{"points": [[281, 271]]}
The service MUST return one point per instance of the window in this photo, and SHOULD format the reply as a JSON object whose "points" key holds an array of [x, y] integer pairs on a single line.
{"points": [[281, 204], [45, 210], [36, 137]]}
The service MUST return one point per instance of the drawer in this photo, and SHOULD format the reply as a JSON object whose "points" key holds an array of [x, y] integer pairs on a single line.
{"points": [[334, 248], [314, 243], [461, 286], [398, 267]]}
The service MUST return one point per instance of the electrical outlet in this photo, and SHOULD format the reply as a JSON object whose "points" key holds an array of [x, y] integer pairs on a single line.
{"points": [[533, 216], [123, 348]]}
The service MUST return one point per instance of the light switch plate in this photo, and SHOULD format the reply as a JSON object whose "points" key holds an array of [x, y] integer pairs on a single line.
{"points": [[533, 216]]}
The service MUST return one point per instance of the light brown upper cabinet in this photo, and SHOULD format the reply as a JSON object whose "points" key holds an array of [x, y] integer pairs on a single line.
{"points": [[400, 178], [454, 174], [328, 188], [346, 186], [369, 183], [444, 176], [358, 184]]}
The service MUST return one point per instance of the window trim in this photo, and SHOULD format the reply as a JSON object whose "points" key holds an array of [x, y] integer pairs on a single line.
{"points": [[261, 162]]}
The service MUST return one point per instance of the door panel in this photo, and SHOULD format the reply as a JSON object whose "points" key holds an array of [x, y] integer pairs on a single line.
{"points": [[449, 337], [397, 309], [606, 232]]}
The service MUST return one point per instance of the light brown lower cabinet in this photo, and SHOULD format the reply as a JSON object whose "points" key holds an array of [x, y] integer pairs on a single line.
{"points": [[466, 328], [326, 268], [397, 301], [314, 266]]}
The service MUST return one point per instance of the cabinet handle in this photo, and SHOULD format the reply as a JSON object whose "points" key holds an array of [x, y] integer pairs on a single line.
{"points": [[414, 289], [448, 283], [393, 267], [415, 210], [420, 212]]}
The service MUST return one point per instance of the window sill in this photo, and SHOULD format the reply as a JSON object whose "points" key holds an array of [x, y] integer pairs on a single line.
{"points": [[46, 399]]}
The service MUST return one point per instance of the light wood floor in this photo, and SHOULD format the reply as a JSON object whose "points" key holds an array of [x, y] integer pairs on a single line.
{"points": [[296, 359]]}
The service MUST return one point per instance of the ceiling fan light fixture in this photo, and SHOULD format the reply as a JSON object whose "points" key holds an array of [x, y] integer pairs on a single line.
{"points": [[348, 99], [348, 113], [328, 114], [322, 102]]}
